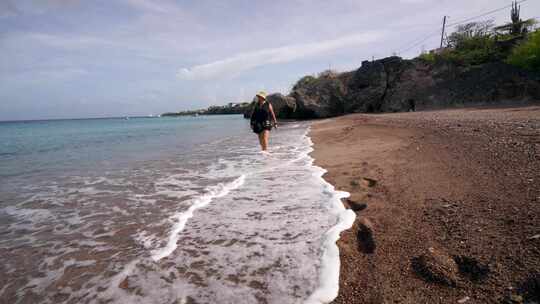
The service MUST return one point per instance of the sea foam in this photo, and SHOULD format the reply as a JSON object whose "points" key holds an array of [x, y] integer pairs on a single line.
{"points": [[328, 287], [181, 218]]}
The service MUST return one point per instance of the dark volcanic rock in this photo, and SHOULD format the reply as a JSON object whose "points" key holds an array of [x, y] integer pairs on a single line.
{"points": [[407, 80], [284, 106], [387, 85], [319, 97], [369, 87], [488, 83]]}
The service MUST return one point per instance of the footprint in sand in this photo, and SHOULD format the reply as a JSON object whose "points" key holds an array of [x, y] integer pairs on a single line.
{"points": [[365, 181], [356, 206], [365, 237]]}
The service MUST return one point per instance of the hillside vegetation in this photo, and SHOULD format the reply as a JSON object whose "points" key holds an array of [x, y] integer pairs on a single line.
{"points": [[481, 42]]}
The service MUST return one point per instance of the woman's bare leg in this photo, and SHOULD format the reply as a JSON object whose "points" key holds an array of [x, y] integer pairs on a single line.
{"points": [[261, 140], [265, 134]]}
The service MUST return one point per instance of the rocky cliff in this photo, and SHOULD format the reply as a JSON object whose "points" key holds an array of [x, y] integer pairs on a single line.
{"points": [[393, 84]]}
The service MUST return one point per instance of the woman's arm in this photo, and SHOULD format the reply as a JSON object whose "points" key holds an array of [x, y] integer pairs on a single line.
{"points": [[272, 112], [252, 110]]}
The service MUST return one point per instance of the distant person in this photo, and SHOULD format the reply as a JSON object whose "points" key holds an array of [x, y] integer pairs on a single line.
{"points": [[261, 115], [412, 105]]}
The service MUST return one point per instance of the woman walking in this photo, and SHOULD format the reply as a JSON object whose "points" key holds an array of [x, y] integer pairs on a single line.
{"points": [[260, 119]]}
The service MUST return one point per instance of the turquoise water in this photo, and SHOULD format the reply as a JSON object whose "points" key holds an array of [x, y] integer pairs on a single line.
{"points": [[48, 147], [164, 210]]}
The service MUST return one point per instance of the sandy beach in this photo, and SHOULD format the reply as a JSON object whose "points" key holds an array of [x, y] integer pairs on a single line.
{"points": [[448, 204]]}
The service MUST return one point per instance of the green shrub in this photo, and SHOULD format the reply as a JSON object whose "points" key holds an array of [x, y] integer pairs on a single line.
{"points": [[472, 44], [527, 54], [477, 50], [471, 51], [429, 57], [304, 81]]}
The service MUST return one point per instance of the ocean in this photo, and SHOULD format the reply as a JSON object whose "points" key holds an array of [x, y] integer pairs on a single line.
{"points": [[165, 210]]}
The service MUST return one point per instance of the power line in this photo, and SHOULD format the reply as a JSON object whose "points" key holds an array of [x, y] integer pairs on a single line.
{"points": [[415, 42], [418, 41], [484, 14]]}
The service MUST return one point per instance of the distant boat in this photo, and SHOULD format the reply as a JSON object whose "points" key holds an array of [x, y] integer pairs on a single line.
{"points": [[126, 118]]}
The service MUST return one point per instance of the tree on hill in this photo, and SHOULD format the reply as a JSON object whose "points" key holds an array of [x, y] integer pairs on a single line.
{"points": [[470, 33], [473, 43]]}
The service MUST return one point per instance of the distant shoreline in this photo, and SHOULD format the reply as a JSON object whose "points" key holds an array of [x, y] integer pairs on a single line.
{"points": [[229, 109], [196, 114]]}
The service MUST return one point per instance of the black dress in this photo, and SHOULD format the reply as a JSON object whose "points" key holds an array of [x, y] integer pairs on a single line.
{"points": [[260, 119]]}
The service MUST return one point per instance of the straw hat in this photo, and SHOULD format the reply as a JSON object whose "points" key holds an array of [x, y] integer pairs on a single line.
{"points": [[261, 94]]}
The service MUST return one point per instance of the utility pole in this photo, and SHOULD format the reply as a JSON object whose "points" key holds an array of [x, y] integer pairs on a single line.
{"points": [[443, 28]]}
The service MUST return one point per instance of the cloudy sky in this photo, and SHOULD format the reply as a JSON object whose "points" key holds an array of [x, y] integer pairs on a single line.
{"points": [[69, 58]]}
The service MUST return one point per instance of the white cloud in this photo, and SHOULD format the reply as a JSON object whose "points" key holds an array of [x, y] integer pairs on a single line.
{"points": [[66, 41], [61, 74], [36, 77], [151, 6], [413, 1], [11, 8], [245, 61], [25, 40]]}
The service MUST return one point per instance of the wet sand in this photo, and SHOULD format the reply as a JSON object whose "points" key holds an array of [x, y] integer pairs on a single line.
{"points": [[448, 204]]}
